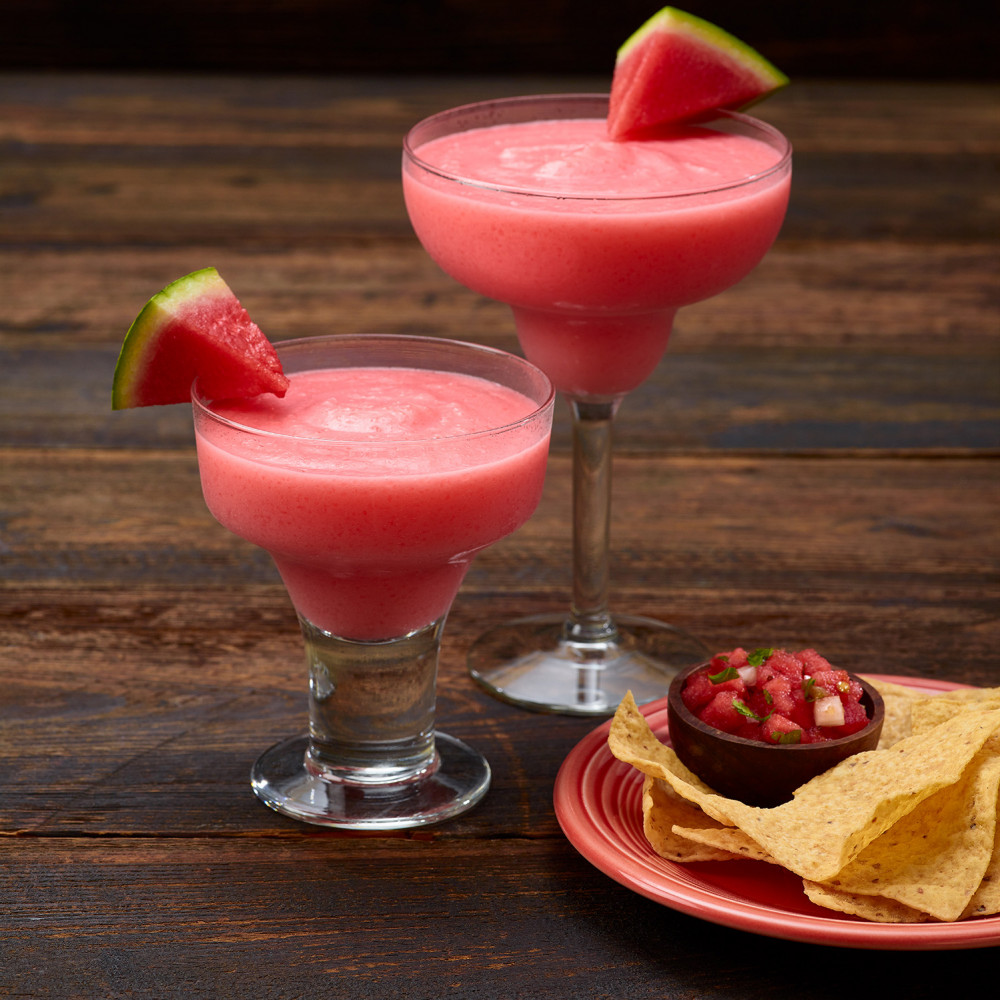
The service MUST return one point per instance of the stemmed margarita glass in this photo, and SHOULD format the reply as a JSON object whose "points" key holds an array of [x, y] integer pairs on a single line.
{"points": [[388, 465], [594, 277]]}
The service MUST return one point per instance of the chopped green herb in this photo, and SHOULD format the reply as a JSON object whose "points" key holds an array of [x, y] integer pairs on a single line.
{"points": [[758, 656], [795, 736], [724, 675], [745, 709]]}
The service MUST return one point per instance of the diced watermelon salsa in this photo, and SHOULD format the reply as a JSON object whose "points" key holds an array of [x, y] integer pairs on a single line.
{"points": [[775, 696]]}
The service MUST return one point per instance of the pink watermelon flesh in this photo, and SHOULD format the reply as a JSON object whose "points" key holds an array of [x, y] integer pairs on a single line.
{"points": [[682, 67], [217, 342], [206, 334]]}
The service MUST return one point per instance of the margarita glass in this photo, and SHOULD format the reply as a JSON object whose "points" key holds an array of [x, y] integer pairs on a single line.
{"points": [[390, 462], [595, 245]]}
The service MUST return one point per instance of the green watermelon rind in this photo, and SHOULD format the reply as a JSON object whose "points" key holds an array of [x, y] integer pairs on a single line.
{"points": [[767, 76], [141, 337], [144, 338]]}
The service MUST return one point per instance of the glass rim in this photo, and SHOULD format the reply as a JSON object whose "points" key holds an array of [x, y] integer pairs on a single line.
{"points": [[784, 151], [203, 405]]}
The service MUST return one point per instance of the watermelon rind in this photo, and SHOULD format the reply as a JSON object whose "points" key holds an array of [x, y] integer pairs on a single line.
{"points": [[194, 327], [724, 73]]}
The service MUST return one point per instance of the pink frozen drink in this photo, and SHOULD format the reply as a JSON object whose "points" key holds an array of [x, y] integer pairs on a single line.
{"points": [[595, 243], [373, 488]]}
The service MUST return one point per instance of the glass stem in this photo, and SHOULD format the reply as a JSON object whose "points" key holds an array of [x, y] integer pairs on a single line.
{"points": [[371, 705], [590, 618]]}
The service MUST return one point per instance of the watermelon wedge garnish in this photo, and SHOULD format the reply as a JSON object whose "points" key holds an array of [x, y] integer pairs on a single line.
{"points": [[194, 327], [677, 66]]}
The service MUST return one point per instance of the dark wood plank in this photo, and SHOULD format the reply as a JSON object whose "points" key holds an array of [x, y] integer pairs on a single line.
{"points": [[345, 918], [862, 296], [165, 166], [726, 401]]}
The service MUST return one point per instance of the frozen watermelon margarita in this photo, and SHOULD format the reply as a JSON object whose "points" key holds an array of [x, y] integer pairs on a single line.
{"points": [[373, 481], [595, 243]]}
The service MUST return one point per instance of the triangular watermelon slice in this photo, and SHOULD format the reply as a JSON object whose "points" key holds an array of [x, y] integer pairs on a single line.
{"points": [[194, 327], [677, 66]]}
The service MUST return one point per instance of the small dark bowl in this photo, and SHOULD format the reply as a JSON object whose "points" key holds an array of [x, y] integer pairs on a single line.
{"points": [[761, 774]]}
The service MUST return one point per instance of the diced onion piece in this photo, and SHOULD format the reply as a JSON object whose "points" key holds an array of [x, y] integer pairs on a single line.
{"points": [[828, 711], [748, 675]]}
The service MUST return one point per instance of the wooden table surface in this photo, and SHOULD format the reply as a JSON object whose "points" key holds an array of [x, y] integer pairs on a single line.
{"points": [[814, 463]]}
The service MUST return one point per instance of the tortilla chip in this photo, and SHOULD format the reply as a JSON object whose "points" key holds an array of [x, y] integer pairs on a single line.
{"points": [[662, 809], [986, 899], [838, 814], [632, 741], [930, 712], [974, 696], [875, 908], [898, 700], [834, 817], [901, 702], [934, 858], [906, 833], [729, 839]]}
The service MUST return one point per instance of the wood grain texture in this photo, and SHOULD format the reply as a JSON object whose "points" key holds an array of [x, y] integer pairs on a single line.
{"points": [[813, 463], [227, 917]]}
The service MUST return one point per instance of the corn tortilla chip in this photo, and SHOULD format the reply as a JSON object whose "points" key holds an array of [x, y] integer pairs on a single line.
{"points": [[662, 809], [632, 741], [875, 908], [838, 814], [930, 712], [972, 696], [934, 858], [835, 816], [897, 723], [986, 899], [729, 839], [901, 702]]}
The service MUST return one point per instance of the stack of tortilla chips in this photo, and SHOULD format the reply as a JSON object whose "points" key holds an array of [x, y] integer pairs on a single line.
{"points": [[904, 833]]}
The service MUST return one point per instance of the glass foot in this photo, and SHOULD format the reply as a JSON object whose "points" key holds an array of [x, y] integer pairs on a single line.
{"points": [[531, 663], [286, 781]]}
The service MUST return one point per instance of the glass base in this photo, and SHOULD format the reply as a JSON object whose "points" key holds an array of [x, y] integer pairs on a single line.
{"points": [[283, 780], [531, 663]]}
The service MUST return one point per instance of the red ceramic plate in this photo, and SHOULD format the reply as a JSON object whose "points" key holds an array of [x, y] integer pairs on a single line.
{"points": [[598, 802]]}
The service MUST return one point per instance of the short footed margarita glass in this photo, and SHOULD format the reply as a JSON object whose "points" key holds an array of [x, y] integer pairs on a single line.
{"points": [[373, 483]]}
